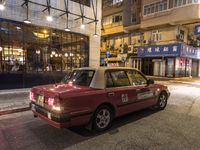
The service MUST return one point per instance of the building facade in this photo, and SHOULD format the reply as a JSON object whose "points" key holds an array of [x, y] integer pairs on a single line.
{"points": [[38, 37], [163, 36]]}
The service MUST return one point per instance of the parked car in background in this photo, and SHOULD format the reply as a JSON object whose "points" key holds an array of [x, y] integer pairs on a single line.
{"points": [[96, 96]]}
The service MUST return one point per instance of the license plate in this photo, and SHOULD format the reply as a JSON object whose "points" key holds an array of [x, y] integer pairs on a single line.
{"points": [[40, 100], [33, 107]]}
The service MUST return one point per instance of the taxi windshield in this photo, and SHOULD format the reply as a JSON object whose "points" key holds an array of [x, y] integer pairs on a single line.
{"points": [[80, 77]]}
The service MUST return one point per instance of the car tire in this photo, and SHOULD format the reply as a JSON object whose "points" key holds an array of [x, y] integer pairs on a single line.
{"points": [[102, 119], [162, 101]]}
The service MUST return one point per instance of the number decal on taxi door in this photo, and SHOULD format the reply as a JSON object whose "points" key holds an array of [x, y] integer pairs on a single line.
{"points": [[124, 98]]}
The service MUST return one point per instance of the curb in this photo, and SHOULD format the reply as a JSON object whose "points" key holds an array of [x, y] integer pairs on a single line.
{"points": [[11, 111], [14, 91], [190, 83]]}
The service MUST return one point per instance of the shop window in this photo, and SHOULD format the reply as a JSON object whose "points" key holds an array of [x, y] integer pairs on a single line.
{"points": [[29, 48]]}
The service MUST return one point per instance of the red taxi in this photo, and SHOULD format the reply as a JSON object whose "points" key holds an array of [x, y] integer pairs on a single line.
{"points": [[96, 97]]}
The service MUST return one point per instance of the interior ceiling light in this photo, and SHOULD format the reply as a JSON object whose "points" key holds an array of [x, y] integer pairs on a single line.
{"points": [[49, 18], [20, 50], [41, 35], [53, 52], [1, 48], [45, 31], [66, 54], [18, 28]]}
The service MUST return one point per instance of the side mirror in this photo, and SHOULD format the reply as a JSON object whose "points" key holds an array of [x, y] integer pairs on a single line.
{"points": [[150, 81]]}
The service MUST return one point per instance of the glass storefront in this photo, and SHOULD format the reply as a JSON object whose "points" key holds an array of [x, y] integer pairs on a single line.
{"points": [[28, 48], [170, 67]]}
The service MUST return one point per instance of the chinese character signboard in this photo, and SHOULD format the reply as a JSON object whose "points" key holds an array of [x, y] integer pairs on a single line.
{"points": [[190, 52], [170, 50], [159, 50]]}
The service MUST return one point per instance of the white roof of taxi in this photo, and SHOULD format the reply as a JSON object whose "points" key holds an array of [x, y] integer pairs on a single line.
{"points": [[98, 80]]}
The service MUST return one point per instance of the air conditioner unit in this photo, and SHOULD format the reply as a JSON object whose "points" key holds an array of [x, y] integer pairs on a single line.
{"points": [[130, 49]]}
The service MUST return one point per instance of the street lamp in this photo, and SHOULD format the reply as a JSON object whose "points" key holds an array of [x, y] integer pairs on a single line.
{"points": [[95, 35], [82, 26], [49, 18], [67, 29], [27, 21]]}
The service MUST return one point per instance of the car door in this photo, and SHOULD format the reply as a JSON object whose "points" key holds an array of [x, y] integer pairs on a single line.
{"points": [[144, 94], [120, 91]]}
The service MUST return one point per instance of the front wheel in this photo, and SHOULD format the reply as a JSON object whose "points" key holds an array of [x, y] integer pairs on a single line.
{"points": [[102, 118], [162, 101]]}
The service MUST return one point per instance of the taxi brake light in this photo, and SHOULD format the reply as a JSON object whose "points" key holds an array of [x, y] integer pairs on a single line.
{"points": [[70, 83], [31, 96], [51, 101]]}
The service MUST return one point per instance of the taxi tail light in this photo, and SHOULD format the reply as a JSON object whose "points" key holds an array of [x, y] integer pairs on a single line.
{"points": [[70, 83], [55, 104], [31, 96], [51, 101]]}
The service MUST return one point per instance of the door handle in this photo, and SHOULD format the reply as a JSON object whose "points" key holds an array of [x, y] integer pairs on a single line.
{"points": [[111, 94]]}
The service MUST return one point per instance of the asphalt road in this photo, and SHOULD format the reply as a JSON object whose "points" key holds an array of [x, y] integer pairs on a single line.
{"points": [[177, 127]]}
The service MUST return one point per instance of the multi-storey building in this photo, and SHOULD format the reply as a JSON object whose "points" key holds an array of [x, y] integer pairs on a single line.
{"points": [[43, 39], [163, 33]]}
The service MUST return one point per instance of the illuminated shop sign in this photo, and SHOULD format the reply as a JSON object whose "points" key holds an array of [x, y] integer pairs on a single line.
{"points": [[191, 52], [197, 29], [159, 50], [170, 50]]}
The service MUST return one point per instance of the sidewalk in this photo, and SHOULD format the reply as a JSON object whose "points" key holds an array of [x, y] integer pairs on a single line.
{"points": [[184, 80], [15, 100]]}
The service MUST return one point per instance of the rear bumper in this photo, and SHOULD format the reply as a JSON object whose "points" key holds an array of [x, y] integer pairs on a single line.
{"points": [[56, 120]]}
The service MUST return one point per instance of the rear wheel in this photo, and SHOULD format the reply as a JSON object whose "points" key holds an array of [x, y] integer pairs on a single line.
{"points": [[102, 118]]}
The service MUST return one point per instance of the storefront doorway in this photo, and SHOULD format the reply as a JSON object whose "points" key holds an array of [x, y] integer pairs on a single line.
{"points": [[194, 68], [159, 67]]}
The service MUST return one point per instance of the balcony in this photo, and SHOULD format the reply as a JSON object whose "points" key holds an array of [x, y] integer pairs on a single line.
{"points": [[113, 28], [172, 16]]}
